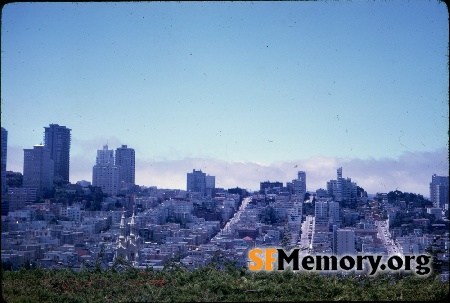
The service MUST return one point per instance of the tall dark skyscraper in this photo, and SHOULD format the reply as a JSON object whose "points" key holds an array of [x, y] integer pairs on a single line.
{"points": [[38, 169], [57, 140], [4, 138], [125, 159]]}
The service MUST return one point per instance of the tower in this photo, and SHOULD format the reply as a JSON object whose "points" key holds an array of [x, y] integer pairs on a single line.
{"points": [[196, 182], [38, 169], [105, 173], [125, 159], [439, 191], [340, 185], [57, 140], [299, 184], [210, 184], [127, 245]]}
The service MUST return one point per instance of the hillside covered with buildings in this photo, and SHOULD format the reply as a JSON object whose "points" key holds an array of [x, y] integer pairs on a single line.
{"points": [[49, 222]]}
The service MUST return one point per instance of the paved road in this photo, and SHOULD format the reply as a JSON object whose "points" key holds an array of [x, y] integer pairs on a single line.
{"points": [[306, 236], [237, 216], [385, 236]]}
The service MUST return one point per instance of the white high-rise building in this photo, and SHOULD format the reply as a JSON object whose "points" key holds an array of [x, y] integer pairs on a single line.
{"points": [[339, 173], [342, 188], [105, 174], [105, 156], [294, 215], [299, 184]]}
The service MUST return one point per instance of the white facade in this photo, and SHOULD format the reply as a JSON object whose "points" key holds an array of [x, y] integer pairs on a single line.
{"points": [[105, 156], [127, 246], [105, 174], [342, 188], [299, 184]]}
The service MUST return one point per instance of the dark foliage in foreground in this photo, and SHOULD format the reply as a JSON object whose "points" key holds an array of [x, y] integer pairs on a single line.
{"points": [[209, 284]]}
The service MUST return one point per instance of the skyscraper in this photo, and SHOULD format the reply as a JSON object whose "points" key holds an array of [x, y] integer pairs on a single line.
{"points": [[439, 191], [342, 188], [340, 182], [299, 184], [196, 182], [210, 182], [57, 140], [38, 169], [4, 206], [125, 159], [105, 174]]}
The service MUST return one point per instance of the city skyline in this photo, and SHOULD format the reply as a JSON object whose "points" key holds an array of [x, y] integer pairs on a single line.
{"points": [[318, 176], [244, 91]]}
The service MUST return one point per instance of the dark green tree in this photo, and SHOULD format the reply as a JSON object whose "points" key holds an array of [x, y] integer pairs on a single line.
{"points": [[7, 265], [268, 215], [306, 197]]}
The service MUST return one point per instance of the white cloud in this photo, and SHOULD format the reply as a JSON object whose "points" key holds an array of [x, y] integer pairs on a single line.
{"points": [[409, 173]]}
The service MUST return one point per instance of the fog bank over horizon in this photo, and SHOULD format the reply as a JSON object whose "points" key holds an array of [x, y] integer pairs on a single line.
{"points": [[374, 175]]}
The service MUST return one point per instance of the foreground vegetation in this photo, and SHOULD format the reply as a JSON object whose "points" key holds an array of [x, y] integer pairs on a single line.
{"points": [[209, 284]]}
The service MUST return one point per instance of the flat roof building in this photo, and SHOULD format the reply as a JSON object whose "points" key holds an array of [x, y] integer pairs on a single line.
{"points": [[38, 169], [57, 140]]}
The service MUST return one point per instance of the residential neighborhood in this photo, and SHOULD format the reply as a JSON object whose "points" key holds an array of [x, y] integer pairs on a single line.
{"points": [[79, 225]]}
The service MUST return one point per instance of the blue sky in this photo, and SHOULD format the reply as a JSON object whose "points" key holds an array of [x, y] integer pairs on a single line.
{"points": [[244, 91]]}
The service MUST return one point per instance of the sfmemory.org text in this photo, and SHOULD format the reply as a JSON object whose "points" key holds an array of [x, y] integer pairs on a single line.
{"points": [[277, 259]]}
